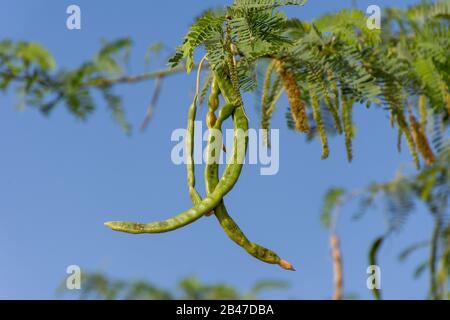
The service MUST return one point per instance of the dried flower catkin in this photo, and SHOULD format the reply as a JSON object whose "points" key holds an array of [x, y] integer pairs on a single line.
{"points": [[265, 97], [423, 112], [298, 108], [335, 113], [403, 125], [347, 107], [333, 104], [421, 140], [320, 126]]}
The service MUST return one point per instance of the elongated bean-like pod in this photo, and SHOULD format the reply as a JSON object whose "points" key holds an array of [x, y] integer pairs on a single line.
{"points": [[226, 183], [228, 224], [190, 165], [236, 235], [213, 104], [164, 226], [213, 100], [212, 158]]}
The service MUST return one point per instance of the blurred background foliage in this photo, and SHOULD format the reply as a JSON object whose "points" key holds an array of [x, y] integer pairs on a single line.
{"points": [[97, 285]]}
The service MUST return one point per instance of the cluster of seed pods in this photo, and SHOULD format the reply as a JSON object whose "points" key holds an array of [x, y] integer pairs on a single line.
{"points": [[216, 189]]}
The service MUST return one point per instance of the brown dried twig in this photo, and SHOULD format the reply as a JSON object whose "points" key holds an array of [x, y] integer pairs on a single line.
{"points": [[337, 266]]}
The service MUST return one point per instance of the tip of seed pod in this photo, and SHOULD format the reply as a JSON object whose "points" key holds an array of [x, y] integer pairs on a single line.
{"points": [[286, 265], [110, 224]]}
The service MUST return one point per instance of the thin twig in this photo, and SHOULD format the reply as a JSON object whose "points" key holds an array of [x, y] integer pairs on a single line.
{"points": [[199, 69], [152, 104], [336, 255], [158, 85], [102, 81], [98, 82], [335, 246]]}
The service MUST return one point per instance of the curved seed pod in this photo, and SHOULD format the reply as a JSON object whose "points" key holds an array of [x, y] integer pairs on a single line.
{"points": [[190, 165], [320, 126], [211, 169], [210, 119], [347, 118], [190, 151], [213, 104], [235, 233], [226, 183], [232, 70], [228, 224], [298, 108], [213, 100], [224, 114], [225, 87]]}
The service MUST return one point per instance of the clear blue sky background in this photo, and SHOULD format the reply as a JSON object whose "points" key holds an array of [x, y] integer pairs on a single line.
{"points": [[61, 178]]}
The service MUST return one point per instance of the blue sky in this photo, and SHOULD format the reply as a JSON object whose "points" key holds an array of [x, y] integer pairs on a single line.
{"points": [[62, 178]]}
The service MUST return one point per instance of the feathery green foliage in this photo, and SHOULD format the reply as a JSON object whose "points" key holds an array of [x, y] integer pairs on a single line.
{"points": [[373, 261], [332, 199], [29, 69], [405, 65], [431, 186]]}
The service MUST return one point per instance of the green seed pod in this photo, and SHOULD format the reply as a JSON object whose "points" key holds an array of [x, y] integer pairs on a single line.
{"points": [[210, 119], [190, 152], [208, 204], [213, 100], [228, 224]]}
